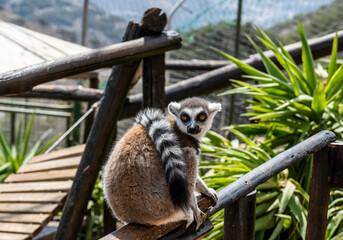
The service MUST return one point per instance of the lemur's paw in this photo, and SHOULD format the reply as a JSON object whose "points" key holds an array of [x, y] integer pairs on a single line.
{"points": [[213, 194]]}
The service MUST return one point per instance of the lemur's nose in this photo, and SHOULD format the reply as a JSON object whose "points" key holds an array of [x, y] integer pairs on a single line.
{"points": [[193, 129]]}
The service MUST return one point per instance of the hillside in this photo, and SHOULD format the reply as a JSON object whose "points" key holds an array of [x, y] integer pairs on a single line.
{"points": [[325, 20], [64, 19]]}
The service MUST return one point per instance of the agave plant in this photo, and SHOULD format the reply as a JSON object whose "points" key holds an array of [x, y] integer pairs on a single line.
{"points": [[288, 106], [12, 157]]}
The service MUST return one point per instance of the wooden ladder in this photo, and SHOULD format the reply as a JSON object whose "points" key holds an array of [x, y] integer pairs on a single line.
{"points": [[30, 198]]}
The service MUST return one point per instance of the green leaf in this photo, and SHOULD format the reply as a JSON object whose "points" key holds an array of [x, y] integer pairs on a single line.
{"points": [[277, 230], [265, 222], [319, 100], [276, 114], [287, 193], [307, 60], [333, 64], [262, 197], [27, 137], [245, 67], [272, 69], [333, 225], [335, 85], [299, 212]]}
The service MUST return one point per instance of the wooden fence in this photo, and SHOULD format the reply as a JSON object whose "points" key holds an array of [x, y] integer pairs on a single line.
{"points": [[146, 42]]}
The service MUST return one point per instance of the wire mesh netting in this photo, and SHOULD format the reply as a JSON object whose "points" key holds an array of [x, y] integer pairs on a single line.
{"points": [[202, 24]]}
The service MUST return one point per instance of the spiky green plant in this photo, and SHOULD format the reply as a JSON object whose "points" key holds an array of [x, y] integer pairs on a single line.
{"points": [[288, 106], [12, 157]]}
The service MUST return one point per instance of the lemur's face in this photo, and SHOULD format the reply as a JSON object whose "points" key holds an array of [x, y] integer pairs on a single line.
{"points": [[194, 116]]}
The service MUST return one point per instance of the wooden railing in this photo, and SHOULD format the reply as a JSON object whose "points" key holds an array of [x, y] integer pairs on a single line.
{"points": [[238, 198]]}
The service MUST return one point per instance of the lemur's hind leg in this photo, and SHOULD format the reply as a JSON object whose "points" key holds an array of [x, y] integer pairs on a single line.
{"points": [[201, 187]]}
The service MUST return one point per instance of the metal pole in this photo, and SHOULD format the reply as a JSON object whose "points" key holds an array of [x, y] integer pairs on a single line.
{"points": [[84, 22], [236, 54]]}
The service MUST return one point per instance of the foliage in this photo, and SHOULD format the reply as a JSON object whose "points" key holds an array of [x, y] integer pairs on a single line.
{"points": [[288, 107], [12, 157]]}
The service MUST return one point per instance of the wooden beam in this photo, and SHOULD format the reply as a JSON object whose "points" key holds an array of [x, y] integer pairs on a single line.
{"points": [[195, 64], [23, 80]]}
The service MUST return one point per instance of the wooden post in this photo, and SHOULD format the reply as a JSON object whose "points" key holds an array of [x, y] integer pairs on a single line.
{"points": [[239, 218], [319, 194], [154, 82]]}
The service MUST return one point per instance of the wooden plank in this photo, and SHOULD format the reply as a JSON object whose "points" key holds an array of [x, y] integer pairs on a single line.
{"points": [[63, 153], [319, 195], [28, 228], [36, 187], [14, 236], [46, 197], [51, 165], [53, 175], [28, 207], [39, 218]]}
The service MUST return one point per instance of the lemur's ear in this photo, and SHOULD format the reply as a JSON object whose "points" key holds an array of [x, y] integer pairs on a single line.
{"points": [[214, 107], [174, 108]]}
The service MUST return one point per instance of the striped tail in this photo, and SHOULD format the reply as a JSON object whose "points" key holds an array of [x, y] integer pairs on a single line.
{"points": [[165, 140]]}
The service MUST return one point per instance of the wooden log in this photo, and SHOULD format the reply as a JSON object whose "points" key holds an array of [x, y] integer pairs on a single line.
{"points": [[239, 218], [23, 80], [319, 195], [94, 83], [63, 92], [141, 232], [262, 173], [98, 144], [195, 64]]}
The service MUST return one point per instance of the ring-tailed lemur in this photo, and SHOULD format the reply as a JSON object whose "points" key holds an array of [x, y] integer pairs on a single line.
{"points": [[152, 172]]}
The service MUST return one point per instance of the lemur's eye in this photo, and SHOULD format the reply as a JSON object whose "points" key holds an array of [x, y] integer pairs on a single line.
{"points": [[184, 118], [202, 117]]}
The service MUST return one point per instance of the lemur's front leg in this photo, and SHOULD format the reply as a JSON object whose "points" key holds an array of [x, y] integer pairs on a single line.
{"points": [[201, 187]]}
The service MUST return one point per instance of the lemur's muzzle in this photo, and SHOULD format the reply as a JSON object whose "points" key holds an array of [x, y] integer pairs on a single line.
{"points": [[193, 129]]}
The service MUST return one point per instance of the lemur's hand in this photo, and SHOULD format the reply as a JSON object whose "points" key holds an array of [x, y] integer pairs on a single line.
{"points": [[212, 194]]}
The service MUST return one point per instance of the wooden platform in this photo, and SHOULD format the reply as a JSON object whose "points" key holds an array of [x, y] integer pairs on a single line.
{"points": [[30, 198]]}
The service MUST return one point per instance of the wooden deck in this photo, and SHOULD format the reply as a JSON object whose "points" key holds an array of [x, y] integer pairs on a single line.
{"points": [[30, 198]]}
